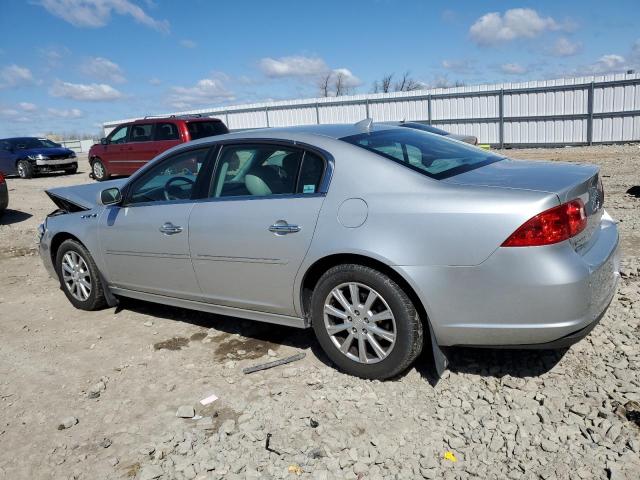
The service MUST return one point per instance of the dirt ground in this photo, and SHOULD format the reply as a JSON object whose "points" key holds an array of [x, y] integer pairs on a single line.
{"points": [[123, 373]]}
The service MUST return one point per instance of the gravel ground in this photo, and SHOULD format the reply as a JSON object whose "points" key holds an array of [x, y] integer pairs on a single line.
{"points": [[95, 395]]}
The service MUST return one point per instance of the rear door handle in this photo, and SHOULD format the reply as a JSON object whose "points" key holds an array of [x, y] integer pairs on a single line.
{"points": [[169, 228], [281, 227]]}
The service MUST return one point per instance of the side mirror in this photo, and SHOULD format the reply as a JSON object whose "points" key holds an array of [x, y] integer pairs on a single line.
{"points": [[110, 196], [104, 141]]}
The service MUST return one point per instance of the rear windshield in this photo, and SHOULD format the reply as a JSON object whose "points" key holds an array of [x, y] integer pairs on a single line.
{"points": [[432, 155], [206, 129]]}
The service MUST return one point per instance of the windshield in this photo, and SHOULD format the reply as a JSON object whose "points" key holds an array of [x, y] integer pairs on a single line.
{"points": [[206, 129], [28, 143], [429, 154]]}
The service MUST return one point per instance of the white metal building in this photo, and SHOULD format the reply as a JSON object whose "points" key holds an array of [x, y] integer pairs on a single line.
{"points": [[566, 111]]}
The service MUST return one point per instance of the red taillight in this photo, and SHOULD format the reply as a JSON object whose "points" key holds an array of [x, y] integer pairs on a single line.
{"points": [[551, 226], [1, 178]]}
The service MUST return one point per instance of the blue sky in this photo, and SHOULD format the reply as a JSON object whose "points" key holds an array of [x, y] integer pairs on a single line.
{"points": [[69, 65]]}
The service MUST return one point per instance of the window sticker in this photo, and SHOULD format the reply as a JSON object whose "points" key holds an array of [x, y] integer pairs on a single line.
{"points": [[309, 188]]}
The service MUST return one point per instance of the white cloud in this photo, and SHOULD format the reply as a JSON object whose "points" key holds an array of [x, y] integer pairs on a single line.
{"points": [[459, 66], [70, 113], [565, 47], [93, 92], [27, 106], [155, 81], [494, 28], [15, 76], [8, 112], [205, 92], [97, 13], [186, 43], [609, 62], [349, 80], [53, 55], [513, 69], [293, 66], [103, 69]]}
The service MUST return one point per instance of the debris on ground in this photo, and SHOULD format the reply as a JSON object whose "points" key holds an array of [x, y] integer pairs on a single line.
{"points": [[275, 363], [185, 411], [67, 422], [210, 399]]}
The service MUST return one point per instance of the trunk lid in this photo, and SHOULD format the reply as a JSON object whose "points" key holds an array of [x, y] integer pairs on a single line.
{"points": [[567, 181], [80, 197]]}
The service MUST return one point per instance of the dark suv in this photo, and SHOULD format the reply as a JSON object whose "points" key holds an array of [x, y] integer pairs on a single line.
{"points": [[27, 156], [131, 145]]}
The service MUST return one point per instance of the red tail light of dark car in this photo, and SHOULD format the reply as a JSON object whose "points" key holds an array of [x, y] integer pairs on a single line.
{"points": [[551, 226]]}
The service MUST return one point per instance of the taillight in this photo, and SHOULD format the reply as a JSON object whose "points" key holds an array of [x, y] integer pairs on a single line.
{"points": [[551, 226], [1, 178]]}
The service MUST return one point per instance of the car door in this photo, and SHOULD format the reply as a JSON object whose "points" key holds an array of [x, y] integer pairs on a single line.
{"points": [[249, 237], [7, 158], [113, 154], [145, 241], [166, 135], [140, 147]]}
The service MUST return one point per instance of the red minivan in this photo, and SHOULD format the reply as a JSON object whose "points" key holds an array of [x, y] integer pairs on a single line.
{"points": [[131, 145]]}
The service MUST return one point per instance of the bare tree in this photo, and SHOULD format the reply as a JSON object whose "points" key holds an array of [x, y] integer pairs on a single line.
{"points": [[340, 87], [385, 83], [325, 84], [407, 84]]}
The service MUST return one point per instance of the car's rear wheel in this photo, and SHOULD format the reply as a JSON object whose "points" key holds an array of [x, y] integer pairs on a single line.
{"points": [[25, 169], [79, 277], [99, 171], [365, 322]]}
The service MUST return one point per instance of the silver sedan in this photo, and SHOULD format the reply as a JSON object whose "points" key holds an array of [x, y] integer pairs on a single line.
{"points": [[380, 238]]}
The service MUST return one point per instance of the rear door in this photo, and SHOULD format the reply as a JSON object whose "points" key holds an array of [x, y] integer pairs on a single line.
{"points": [[140, 148], [250, 236]]}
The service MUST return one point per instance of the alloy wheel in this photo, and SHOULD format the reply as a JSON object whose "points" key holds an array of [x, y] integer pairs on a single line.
{"points": [[360, 323], [76, 276], [98, 170]]}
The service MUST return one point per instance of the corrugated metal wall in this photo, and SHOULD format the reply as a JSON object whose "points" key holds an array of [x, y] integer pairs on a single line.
{"points": [[565, 111]]}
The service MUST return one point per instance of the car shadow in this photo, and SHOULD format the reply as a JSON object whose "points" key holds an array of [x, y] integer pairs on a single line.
{"points": [[487, 362], [10, 217]]}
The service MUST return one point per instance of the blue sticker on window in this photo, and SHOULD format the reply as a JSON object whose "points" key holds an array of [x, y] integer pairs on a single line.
{"points": [[309, 189]]}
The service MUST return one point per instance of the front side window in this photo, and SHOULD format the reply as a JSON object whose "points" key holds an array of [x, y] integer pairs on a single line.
{"points": [[256, 170], [172, 179], [430, 154], [119, 135], [141, 132]]}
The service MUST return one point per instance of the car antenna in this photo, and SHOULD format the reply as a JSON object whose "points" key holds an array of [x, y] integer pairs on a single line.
{"points": [[365, 124]]}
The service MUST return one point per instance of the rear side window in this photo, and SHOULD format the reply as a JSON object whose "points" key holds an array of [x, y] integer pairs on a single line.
{"points": [[166, 131], [206, 129], [141, 132], [310, 174], [432, 155]]}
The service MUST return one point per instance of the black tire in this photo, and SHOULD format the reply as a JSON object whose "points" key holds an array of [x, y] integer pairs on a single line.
{"points": [[25, 169], [408, 325], [71, 170], [99, 171], [96, 298]]}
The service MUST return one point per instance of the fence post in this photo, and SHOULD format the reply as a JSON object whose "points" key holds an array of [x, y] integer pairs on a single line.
{"points": [[590, 114], [266, 113], [317, 114], [366, 106], [501, 117], [429, 109], [226, 117]]}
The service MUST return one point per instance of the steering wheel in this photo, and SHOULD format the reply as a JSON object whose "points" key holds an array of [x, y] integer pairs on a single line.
{"points": [[175, 192]]}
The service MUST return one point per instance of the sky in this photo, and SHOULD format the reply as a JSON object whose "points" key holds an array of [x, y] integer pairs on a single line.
{"points": [[67, 66]]}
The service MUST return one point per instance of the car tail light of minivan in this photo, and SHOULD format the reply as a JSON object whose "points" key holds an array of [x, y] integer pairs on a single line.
{"points": [[2, 180], [551, 226]]}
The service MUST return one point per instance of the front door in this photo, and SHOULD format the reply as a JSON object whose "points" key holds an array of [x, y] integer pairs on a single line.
{"points": [[145, 242], [249, 238]]}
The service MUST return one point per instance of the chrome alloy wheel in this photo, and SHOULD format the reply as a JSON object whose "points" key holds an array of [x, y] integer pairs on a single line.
{"points": [[21, 170], [76, 276], [98, 170], [359, 322]]}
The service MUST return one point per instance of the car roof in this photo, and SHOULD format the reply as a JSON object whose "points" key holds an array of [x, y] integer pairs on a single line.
{"points": [[335, 131], [173, 119]]}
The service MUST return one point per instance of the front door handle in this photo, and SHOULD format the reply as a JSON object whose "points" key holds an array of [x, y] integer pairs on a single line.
{"points": [[169, 228], [281, 227]]}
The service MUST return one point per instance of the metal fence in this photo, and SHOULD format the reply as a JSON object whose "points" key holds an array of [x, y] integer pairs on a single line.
{"points": [[568, 111], [78, 146]]}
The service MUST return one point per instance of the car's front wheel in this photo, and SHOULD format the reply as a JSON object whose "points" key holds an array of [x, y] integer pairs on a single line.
{"points": [[365, 323], [79, 277], [25, 169], [99, 170]]}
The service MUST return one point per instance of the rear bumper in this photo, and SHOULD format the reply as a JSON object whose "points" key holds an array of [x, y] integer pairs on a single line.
{"points": [[4, 196], [536, 297]]}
